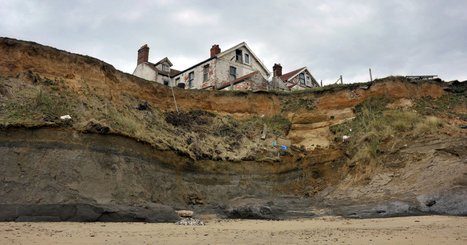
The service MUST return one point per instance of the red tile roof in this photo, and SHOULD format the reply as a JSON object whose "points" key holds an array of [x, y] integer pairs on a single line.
{"points": [[238, 80], [286, 76]]}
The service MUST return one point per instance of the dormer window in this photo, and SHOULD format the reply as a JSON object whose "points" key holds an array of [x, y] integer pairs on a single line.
{"points": [[165, 68], [247, 59], [308, 81], [238, 56]]}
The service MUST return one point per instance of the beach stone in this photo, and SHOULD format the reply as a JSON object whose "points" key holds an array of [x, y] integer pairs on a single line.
{"points": [[185, 213]]}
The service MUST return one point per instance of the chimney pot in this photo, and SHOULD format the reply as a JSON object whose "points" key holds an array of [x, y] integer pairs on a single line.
{"points": [[215, 50]]}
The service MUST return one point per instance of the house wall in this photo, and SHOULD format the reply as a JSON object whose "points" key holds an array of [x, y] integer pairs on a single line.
{"points": [[198, 81], [314, 83], [296, 80], [243, 69], [277, 84], [219, 70], [256, 82], [144, 71]]}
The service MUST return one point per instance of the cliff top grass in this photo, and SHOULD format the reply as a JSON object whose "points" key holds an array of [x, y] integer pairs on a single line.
{"points": [[378, 129], [32, 100]]}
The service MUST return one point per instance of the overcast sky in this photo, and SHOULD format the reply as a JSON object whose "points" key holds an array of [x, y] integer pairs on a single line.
{"points": [[331, 38]]}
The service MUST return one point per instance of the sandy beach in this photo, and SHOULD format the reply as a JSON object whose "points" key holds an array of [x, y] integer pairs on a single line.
{"points": [[323, 230]]}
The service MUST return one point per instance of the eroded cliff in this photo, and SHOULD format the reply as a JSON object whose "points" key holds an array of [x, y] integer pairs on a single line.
{"points": [[123, 148]]}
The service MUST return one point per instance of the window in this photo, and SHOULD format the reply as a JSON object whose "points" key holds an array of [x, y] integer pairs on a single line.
{"points": [[165, 68], [206, 72], [191, 77], [166, 82], [302, 78], [308, 81], [233, 73], [238, 56], [247, 59], [177, 81]]}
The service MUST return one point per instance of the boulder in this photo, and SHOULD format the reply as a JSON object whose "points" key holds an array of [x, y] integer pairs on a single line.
{"points": [[251, 208], [185, 213]]}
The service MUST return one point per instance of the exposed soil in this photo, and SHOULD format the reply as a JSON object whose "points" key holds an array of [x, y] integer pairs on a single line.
{"points": [[221, 153]]}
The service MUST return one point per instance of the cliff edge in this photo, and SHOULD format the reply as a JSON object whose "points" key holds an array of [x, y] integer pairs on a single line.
{"points": [[126, 154]]}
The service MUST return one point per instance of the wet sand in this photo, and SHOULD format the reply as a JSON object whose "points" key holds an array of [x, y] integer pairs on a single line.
{"points": [[324, 230]]}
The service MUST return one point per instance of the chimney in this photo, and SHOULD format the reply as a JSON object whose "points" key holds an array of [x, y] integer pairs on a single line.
{"points": [[215, 50], [143, 54], [277, 70]]}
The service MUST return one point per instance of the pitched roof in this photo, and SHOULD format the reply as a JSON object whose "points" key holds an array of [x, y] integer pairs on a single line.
{"points": [[238, 80], [227, 51], [251, 52], [291, 74], [164, 59], [173, 72]]}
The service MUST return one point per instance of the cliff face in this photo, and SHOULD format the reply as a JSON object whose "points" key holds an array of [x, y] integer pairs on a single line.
{"points": [[71, 167], [310, 112], [59, 165]]}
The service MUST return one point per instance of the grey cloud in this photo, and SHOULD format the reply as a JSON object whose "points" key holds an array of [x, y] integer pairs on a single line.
{"points": [[331, 38]]}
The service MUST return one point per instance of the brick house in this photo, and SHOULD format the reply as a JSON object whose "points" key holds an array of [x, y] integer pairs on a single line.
{"points": [[158, 71], [296, 80], [236, 68]]}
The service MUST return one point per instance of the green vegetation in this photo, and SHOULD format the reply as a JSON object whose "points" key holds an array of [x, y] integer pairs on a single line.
{"points": [[196, 134], [295, 104], [279, 125], [208, 136], [450, 105], [377, 129]]}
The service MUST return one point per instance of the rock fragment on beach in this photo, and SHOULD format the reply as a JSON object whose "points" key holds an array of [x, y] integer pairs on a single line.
{"points": [[185, 213], [189, 221]]}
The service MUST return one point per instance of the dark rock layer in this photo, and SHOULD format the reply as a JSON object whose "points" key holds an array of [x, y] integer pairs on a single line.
{"points": [[52, 174]]}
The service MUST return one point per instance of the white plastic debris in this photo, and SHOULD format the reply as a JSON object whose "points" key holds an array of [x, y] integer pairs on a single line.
{"points": [[350, 130], [345, 137], [66, 117]]}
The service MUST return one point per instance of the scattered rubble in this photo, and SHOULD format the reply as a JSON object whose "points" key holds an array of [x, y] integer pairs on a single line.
{"points": [[189, 221]]}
